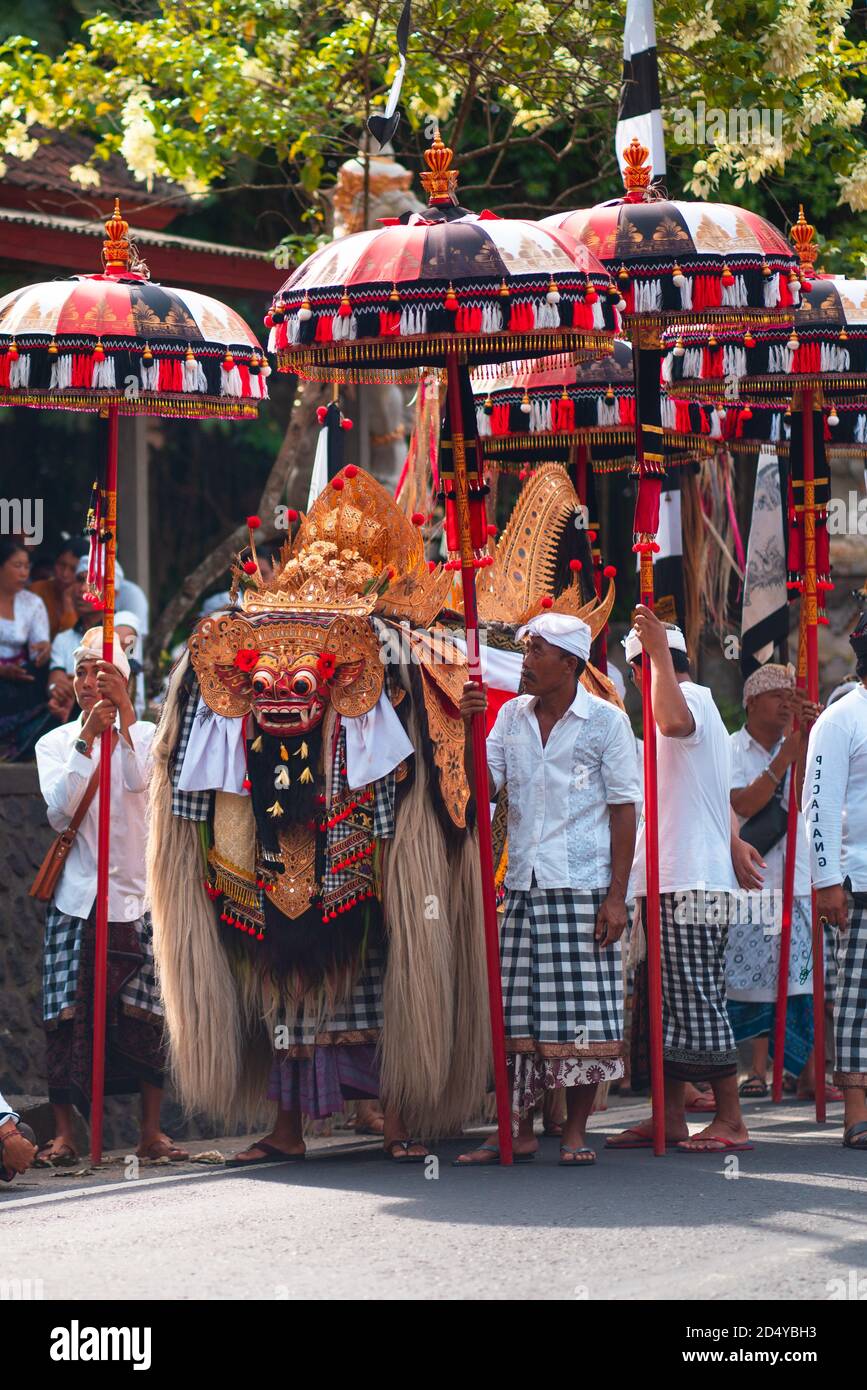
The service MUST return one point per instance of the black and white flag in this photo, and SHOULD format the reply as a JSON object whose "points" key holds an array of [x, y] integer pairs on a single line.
{"points": [[765, 615], [640, 111], [382, 127]]}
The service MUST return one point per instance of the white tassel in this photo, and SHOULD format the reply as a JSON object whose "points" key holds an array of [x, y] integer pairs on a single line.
{"points": [[102, 378], [833, 358], [776, 427], [667, 367], [598, 315], [272, 340], [340, 329], [861, 429], [715, 424], [61, 372], [150, 375], [230, 382], [685, 288], [492, 318], [795, 287], [734, 361], [483, 423], [648, 296], [772, 291], [667, 412], [19, 372], [734, 296], [608, 412], [190, 370], [546, 315], [787, 428], [293, 332], [692, 363]]}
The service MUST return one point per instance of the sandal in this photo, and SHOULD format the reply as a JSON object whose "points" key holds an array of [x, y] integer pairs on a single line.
{"points": [[754, 1088], [576, 1162], [388, 1151], [638, 1140], [494, 1161], [163, 1148], [62, 1157], [718, 1143], [850, 1138], [269, 1155]]}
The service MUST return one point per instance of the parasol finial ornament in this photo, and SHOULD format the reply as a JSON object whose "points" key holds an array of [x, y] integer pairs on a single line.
{"points": [[441, 180], [637, 171], [115, 248], [803, 236]]}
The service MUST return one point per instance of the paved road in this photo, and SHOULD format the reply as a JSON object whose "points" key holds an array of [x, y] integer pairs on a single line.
{"points": [[347, 1225]]}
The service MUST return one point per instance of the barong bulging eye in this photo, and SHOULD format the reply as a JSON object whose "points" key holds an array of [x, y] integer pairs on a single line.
{"points": [[263, 683], [303, 684]]}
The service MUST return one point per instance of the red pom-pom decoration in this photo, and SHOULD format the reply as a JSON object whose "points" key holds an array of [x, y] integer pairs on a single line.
{"points": [[269, 321], [254, 522], [346, 424], [337, 484], [248, 787], [250, 567], [491, 529], [291, 514], [547, 601], [575, 566], [418, 518], [321, 413], [522, 475], [431, 565], [246, 658], [591, 535], [350, 470], [610, 571]]}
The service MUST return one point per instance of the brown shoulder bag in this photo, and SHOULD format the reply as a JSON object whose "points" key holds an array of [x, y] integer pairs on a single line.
{"points": [[50, 869]]}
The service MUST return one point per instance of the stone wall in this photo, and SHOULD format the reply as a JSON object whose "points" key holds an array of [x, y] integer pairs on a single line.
{"points": [[24, 838]]}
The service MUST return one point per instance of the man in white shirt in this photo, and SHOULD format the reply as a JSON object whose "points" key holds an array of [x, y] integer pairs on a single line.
{"points": [[567, 760], [766, 755], [67, 759], [699, 857], [835, 813]]}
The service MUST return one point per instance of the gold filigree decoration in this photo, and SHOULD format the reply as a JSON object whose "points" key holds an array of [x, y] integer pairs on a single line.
{"points": [[213, 645], [526, 553], [355, 645], [295, 888], [447, 736]]}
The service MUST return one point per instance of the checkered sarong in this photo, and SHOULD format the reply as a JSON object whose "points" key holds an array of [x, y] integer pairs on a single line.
{"points": [[850, 1005], [357, 1019], [697, 1037], [60, 962], [562, 992], [187, 805]]}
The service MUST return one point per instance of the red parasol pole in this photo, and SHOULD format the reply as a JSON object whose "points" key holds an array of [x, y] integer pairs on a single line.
{"points": [[652, 930], [480, 768], [100, 960], [793, 827], [811, 624]]}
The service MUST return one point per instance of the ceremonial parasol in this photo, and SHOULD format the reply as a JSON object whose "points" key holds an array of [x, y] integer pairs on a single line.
{"points": [[455, 290], [117, 344], [819, 351], [674, 262], [581, 415]]}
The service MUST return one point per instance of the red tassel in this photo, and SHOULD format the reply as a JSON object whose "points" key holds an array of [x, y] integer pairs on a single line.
{"points": [[389, 324], [324, 331], [582, 314]]}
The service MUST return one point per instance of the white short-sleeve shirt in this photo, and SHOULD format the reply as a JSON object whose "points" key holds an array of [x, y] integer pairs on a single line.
{"points": [[28, 624], [749, 760], [559, 827], [693, 778]]}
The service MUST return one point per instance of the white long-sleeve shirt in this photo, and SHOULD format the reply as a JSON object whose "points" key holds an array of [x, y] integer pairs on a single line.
{"points": [[63, 776], [835, 793]]}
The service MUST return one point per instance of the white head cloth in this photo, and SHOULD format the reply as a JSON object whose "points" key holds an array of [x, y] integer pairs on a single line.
{"points": [[561, 630], [126, 618], [632, 644], [90, 649]]}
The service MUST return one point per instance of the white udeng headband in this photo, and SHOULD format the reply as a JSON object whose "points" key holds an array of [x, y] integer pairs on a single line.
{"points": [[632, 644]]}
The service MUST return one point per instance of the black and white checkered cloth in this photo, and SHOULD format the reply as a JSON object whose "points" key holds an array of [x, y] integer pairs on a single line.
{"points": [[697, 1037], [188, 805], [361, 1011], [850, 1005], [62, 954], [559, 985]]}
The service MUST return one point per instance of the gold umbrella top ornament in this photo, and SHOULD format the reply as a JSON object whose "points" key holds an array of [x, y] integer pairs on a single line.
{"points": [[381, 304]]}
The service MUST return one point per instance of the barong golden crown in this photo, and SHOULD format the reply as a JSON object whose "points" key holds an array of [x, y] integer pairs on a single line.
{"points": [[802, 236], [441, 180], [636, 171]]}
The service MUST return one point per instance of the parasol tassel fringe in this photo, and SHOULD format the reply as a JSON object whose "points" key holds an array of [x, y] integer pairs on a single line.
{"points": [[492, 318], [150, 375], [685, 288], [19, 371], [598, 315], [230, 382], [734, 296], [608, 412], [861, 429], [772, 291], [734, 359], [61, 372], [103, 374]]}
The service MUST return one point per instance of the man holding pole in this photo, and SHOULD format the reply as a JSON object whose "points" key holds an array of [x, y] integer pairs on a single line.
{"points": [[568, 761], [835, 811], [701, 860]]}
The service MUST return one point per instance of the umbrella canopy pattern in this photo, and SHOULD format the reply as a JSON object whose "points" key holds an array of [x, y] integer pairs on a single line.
{"points": [[743, 427], [674, 258], [823, 343], [381, 304], [84, 342]]}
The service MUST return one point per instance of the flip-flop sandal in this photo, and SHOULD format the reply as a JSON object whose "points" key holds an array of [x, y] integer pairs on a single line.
{"points": [[701, 1105], [721, 1145], [270, 1155], [389, 1154], [576, 1162], [157, 1150], [492, 1162], [754, 1088], [852, 1133], [641, 1141], [64, 1157]]}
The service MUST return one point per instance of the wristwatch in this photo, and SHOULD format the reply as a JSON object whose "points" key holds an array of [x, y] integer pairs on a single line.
{"points": [[82, 746]]}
